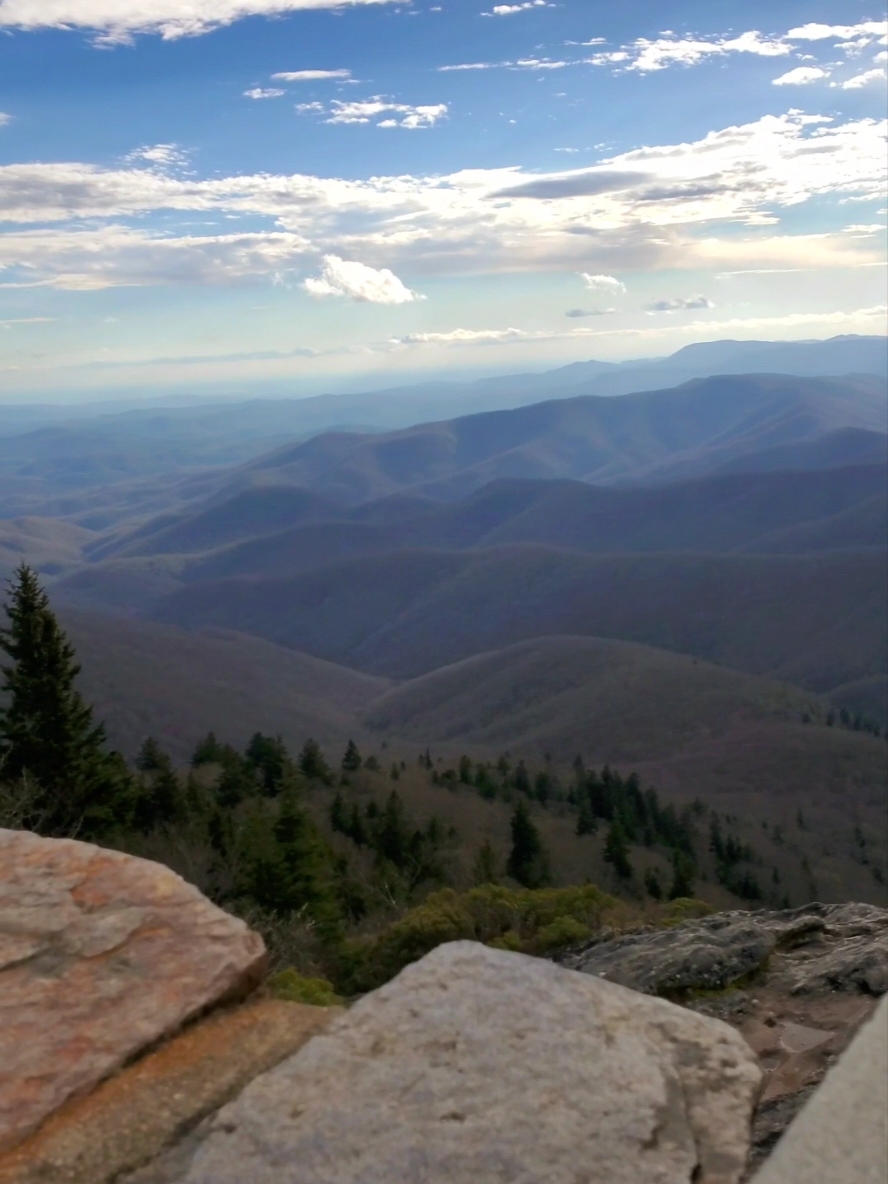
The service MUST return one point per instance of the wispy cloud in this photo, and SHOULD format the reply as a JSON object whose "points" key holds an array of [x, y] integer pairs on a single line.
{"points": [[645, 56], [343, 277], [309, 75], [511, 9], [366, 111], [588, 312], [119, 21], [4, 118], [678, 304], [264, 92]]}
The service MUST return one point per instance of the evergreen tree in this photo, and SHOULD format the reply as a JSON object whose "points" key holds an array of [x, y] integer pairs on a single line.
{"points": [[652, 884], [351, 760], [208, 751], [160, 799], [616, 850], [268, 756], [47, 731], [485, 870], [285, 864], [312, 762], [683, 875], [528, 862]]}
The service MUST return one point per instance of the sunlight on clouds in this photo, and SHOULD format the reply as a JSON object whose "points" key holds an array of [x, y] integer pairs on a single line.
{"points": [[117, 21], [656, 207], [342, 277], [602, 283]]}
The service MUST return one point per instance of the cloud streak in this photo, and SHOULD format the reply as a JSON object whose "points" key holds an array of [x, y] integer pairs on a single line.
{"points": [[117, 22]]}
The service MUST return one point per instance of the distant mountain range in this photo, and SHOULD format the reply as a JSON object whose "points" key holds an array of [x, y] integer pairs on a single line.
{"points": [[674, 573], [102, 466]]}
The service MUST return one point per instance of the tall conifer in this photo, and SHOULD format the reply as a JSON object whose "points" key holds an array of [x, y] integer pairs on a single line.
{"points": [[47, 731]]}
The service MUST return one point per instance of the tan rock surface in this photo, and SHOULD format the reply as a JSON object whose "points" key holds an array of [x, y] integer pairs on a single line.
{"points": [[101, 955], [131, 1118]]}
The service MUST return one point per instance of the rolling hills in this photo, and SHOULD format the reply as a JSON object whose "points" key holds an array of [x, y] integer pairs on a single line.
{"points": [[817, 620], [148, 679], [687, 726]]}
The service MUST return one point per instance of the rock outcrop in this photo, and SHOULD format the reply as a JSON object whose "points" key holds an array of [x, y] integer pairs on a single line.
{"points": [[481, 1065], [101, 955], [797, 984], [812, 949]]}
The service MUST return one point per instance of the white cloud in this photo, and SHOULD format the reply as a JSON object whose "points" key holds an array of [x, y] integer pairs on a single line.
{"points": [[164, 156], [863, 79], [602, 283], [118, 21], [463, 337], [264, 92], [646, 56], [309, 75], [663, 206], [511, 9], [366, 111], [4, 118], [678, 304], [873, 30], [470, 66], [343, 277], [800, 76]]}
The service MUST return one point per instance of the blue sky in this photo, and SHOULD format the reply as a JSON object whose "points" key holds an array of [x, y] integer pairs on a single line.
{"points": [[286, 195]]}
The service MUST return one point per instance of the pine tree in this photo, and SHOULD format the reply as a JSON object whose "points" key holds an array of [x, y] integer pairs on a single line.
{"points": [[683, 875], [47, 731], [485, 870], [616, 850], [160, 799], [312, 762], [528, 862], [351, 761]]}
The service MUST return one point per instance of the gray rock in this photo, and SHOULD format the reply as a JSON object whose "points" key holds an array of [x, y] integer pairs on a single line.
{"points": [[482, 1066], [842, 1133], [819, 948]]}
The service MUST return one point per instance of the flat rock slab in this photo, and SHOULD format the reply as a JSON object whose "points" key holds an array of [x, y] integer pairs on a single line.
{"points": [[101, 955], [131, 1118], [483, 1066]]}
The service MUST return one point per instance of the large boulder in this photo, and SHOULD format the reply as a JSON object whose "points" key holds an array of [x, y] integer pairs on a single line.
{"points": [[101, 955], [480, 1065]]}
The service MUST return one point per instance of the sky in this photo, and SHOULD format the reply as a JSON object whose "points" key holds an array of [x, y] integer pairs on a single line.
{"points": [[300, 195]]}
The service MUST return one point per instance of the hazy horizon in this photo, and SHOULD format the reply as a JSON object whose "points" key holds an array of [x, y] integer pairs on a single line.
{"points": [[335, 195]]}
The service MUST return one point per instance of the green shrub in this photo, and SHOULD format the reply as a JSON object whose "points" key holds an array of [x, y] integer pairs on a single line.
{"points": [[297, 988], [533, 921]]}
